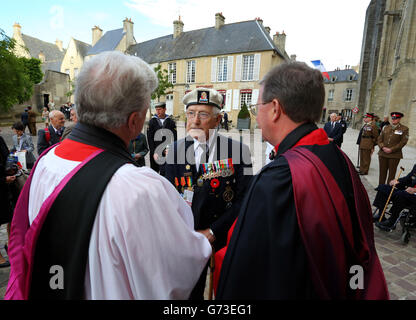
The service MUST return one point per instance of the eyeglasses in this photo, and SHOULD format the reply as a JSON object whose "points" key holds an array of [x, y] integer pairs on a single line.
{"points": [[254, 108], [201, 115]]}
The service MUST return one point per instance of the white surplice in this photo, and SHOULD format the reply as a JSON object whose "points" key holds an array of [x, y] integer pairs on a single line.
{"points": [[142, 244]]}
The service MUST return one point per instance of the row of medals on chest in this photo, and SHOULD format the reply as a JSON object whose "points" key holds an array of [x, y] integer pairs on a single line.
{"points": [[211, 171]]}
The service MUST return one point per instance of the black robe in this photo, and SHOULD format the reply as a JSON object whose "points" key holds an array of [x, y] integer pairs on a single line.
{"points": [[271, 257]]}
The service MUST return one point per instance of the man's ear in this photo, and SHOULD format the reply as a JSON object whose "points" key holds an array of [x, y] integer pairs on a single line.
{"points": [[277, 110], [133, 121]]}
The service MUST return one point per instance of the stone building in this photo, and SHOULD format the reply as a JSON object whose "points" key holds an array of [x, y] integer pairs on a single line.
{"points": [[119, 39], [55, 84], [74, 58], [388, 61], [230, 58], [341, 93]]}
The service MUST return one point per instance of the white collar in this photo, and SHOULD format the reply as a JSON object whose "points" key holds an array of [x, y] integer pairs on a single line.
{"points": [[211, 141]]}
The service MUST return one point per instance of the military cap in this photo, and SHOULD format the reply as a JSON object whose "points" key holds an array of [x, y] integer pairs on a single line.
{"points": [[160, 105], [203, 96], [369, 115], [397, 115]]}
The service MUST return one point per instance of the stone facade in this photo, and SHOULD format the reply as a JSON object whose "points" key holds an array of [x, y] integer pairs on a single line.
{"points": [[388, 63], [341, 94], [74, 58], [234, 72]]}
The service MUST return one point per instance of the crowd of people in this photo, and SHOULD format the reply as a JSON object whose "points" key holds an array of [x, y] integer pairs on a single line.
{"points": [[121, 230]]}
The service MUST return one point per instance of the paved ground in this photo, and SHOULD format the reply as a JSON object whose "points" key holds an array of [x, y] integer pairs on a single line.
{"points": [[398, 260]]}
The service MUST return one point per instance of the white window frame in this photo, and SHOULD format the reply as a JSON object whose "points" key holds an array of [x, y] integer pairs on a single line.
{"points": [[246, 97], [172, 72], [247, 68], [331, 94], [348, 95], [222, 69], [190, 71]]}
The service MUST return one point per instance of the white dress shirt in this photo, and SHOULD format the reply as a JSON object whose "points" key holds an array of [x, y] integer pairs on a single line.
{"points": [[198, 150]]}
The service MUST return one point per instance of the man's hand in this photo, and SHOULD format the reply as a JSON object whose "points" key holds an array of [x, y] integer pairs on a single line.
{"points": [[10, 179], [411, 190], [155, 156], [393, 182], [331, 139], [387, 150], [137, 156], [207, 233]]}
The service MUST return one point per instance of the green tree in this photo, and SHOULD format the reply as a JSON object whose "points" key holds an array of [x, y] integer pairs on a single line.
{"points": [[164, 84], [72, 91], [17, 75], [244, 113]]}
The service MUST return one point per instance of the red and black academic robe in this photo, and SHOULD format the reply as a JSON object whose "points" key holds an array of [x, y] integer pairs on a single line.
{"points": [[305, 221]]}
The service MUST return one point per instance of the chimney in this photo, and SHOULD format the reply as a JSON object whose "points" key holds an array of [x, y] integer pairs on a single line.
{"points": [[219, 20], [293, 57], [268, 29], [42, 57], [59, 44], [177, 28], [259, 20], [96, 35], [128, 29], [279, 40], [17, 30]]}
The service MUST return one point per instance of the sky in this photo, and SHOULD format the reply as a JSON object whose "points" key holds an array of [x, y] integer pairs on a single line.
{"points": [[326, 30]]}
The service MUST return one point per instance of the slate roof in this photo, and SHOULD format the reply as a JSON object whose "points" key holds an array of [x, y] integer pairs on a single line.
{"points": [[342, 76], [82, 47], [108, 42], [53, 55], [247, 36]]}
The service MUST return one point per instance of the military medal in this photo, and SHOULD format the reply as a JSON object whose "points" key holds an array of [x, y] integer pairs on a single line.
{"points": [[188, 167], [189, 181], [177, 184], [200, 182], [183, 184], [228, 195]]}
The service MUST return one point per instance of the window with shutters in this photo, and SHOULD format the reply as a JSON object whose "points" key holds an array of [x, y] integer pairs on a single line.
{"points": [[331, 95], [248, 68], [348, 96], [245, 97], [222, 69], [190, 71], [172, 72]]}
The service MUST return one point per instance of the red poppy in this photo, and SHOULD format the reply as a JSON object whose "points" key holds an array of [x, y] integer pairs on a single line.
{"points": [[215, 183]]}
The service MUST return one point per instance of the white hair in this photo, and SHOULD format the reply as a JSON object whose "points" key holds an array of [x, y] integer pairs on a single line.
{"points": [[53, 113], [110, 87]]}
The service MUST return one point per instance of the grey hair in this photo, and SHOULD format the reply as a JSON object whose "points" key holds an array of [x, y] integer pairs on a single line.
{"points": [[110, 87]]}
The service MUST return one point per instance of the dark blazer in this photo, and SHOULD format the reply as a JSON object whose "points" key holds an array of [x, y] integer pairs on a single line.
{"points": [[335, 133], [42, 143], [139, 146], [154, 125], [211, 207]]}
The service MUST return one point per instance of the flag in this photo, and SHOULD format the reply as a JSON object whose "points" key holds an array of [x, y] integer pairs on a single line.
{"points": [[318, 65]]}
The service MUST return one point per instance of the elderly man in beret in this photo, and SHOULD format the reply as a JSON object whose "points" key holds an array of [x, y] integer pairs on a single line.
{"points": [[211, 171], [391, 142]]}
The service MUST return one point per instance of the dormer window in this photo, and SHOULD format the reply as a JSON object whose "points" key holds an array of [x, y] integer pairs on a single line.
{"points": [[351, 77], [333, 79]]}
